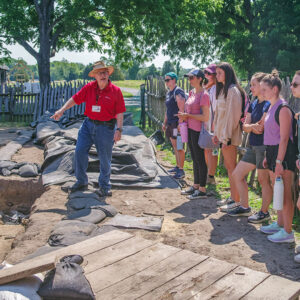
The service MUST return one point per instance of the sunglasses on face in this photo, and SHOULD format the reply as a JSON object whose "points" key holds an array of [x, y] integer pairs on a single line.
{"points": [[295, 85], [167, 80], [191, 77], [208, 73]]}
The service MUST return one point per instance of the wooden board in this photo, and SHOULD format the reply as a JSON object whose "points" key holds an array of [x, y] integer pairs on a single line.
{"points": [[275, 287], [115, 253], [157, 275], [47, 261], [193, 281], [233, 286], [108, 276]]}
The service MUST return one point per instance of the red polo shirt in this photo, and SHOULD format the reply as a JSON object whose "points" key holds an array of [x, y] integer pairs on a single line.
{"points": [[110, 99]]}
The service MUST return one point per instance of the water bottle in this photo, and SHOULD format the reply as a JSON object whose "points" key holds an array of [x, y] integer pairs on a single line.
{"points": [[278, 194]]}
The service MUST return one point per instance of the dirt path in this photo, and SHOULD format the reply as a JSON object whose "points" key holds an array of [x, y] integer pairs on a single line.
{"points": [[194, 225]]}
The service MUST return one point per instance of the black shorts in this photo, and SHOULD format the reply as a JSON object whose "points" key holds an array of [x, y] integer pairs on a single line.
{"points": [[289, 161], [170, 130]]}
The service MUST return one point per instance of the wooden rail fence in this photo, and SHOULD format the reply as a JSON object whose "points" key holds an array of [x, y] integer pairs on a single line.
{"points": [[19, 106]]}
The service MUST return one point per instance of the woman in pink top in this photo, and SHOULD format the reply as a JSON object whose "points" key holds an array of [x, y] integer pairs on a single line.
{"points": [[196, 114]]}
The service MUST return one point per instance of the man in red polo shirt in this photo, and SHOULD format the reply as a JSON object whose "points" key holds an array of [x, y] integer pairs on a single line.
{"points": [[104, 110]]}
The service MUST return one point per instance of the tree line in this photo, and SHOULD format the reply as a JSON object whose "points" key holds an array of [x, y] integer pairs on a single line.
{"points": [[253, 35], [65, 70]]}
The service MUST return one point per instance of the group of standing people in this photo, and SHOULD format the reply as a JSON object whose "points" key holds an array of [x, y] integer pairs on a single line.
{"points": [[219, 104]]}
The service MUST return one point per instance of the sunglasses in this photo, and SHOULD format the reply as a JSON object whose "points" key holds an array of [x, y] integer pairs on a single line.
{"points": [[208, 73], [167, 80], [295, 85], [191, 77]]}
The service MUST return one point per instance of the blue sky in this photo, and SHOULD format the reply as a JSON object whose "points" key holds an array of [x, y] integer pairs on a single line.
{"points": [[85, 57]]}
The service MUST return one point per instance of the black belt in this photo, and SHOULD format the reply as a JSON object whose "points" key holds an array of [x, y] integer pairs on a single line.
{"points": [[111, 123]]}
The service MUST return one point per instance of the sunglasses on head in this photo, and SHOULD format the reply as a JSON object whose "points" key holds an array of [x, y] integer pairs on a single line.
{"points": [[294, 84], [168, 79]]}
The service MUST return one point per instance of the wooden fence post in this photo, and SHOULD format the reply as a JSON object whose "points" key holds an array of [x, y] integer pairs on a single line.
{"points": [[143, 113]]}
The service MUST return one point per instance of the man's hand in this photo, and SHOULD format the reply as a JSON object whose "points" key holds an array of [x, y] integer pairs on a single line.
{"points": [[58, 114], [117, 136]]}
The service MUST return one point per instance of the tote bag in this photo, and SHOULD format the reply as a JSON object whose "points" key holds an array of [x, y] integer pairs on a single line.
{"points": [[205, 137]]}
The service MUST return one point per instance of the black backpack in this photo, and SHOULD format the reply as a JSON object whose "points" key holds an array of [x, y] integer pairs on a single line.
{"points": [[294, 124]]}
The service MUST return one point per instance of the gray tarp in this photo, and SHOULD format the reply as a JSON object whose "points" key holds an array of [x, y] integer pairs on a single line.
{"points": [[125, 221], [133, 161], [14, 146], [69, 232]]}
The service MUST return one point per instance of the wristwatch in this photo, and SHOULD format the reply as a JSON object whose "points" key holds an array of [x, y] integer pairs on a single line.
{"points": [[278, 161], [119, 129]]}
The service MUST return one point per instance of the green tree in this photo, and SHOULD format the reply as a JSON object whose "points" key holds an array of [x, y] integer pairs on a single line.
{"points": [[167, 67], [117, 74], [133, 70], [123, 29]]}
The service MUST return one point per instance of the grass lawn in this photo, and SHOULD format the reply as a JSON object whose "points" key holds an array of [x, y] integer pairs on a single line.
{"points": [[127, 95], [134, 84]]}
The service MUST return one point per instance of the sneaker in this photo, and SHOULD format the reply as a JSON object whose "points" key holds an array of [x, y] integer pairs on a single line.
{"points": [[259, 217], [179, 174], [270, 229], [174, 170], [210, 180], [188, 191], [104, 193], [197, 195], [297, 258], [225, 201], [239, 212], [229, 207], [77, 186], [282, 237]]}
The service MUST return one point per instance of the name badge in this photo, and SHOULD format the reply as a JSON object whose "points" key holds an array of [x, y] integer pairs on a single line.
{"points": [[96, 108]]}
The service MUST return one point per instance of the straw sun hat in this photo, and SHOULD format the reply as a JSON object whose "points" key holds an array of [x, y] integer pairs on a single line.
{"points": [[99, 66]]}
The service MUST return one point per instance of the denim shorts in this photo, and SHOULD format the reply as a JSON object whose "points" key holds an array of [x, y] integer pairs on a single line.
{"points": [[255, 155]]}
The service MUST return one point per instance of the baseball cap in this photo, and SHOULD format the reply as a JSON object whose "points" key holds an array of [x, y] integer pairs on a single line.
{"points": [[195, 72], [211, 68], [172, 75]]}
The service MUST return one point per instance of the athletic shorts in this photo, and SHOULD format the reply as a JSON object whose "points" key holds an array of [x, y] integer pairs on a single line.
{"points": [[255, 155], [289, 162], [170, 130]]}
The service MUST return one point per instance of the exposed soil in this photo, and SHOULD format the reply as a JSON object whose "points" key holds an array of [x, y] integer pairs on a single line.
{"points": [[194, 225]]}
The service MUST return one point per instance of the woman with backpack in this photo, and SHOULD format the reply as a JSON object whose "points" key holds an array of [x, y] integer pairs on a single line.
{"points": [[254, 156], [280, 155], [196, 113], [227, 125], [211, 155]]}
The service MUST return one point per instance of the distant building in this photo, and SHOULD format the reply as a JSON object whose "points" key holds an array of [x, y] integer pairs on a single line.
{"points": [[3, 74]]}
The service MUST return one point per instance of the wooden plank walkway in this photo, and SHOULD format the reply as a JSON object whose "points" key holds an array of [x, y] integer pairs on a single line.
{"points": [[119, 265]]}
